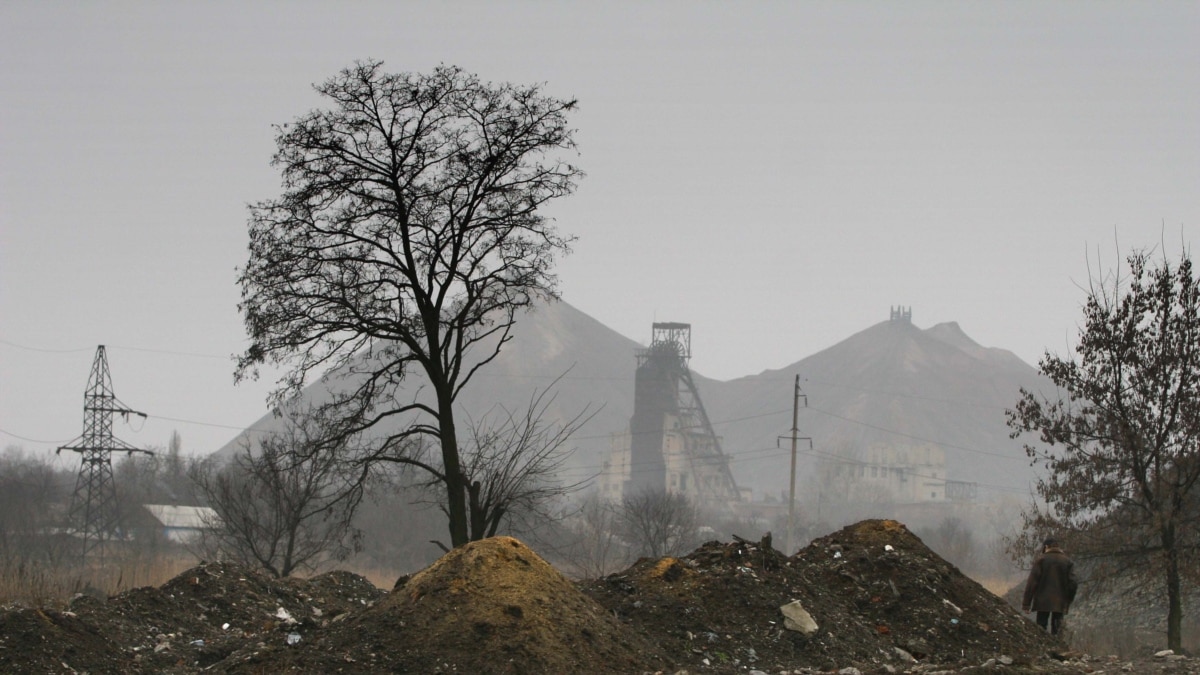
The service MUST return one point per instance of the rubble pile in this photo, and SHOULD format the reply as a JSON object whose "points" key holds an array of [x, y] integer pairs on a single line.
{"points": [[194, 621], [874, 595], [870, 598]]}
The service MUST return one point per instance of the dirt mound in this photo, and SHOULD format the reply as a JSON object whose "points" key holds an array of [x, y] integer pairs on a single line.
{"points": [[879, 597], [888, 582], [492, 606], [46, 641], [196, 620], [870, 598]]}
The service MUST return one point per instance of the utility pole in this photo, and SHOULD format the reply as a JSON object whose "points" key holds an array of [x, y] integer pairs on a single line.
{"points": [[94, 502], [796, 396]]}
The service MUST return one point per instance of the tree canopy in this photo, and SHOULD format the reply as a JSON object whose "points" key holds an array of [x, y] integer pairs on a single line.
{"points": [[408, 234]]}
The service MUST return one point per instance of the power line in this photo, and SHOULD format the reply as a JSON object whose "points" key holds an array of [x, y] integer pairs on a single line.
{"points": [[148, 350], [44, 351], [208, 424], [32, 440], [535, 376], [596, 471], [911, 436]]}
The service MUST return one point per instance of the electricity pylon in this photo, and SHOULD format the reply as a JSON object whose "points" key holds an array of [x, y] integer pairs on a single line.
{"points": [[94, 503]]}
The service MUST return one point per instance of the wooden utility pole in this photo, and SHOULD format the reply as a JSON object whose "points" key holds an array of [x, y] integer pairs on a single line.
{"points": [[796, 396]]}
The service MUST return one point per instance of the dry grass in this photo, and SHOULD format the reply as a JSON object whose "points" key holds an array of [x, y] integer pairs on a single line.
{"points": [[1119, 638], [54, 586], [999, 585], [380, 577]]}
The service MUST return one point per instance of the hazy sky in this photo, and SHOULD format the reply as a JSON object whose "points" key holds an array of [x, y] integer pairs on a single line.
{"points": [[778, 174]]}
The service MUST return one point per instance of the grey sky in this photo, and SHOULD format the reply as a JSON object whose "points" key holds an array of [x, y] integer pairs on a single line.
{"points": [[777, 174]]}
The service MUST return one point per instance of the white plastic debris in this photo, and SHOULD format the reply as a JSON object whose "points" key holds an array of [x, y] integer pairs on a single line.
{"points": [[837, 554], [888, 547], [197, 643], [225, 626], [796, 618], [285, 616], [293, 639]]}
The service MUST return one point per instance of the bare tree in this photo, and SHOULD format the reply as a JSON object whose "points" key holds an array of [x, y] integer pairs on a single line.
{"points": [[954, 540], [282, 506], [396, 527], [512, 463], [658, 523], [32, 493], [1121, 442], [587, 541], [408, 234]]}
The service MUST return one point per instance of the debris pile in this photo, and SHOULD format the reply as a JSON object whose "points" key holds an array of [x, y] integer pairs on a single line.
{"points": [[870, 598], [193, 621]]}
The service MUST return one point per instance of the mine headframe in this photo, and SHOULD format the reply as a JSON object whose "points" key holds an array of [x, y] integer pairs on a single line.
{"points": [[667, 404]]}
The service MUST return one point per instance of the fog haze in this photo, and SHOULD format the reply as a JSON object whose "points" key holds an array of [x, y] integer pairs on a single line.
{"points": [[775, 174]]}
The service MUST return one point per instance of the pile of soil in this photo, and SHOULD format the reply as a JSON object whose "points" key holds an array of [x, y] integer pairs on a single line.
{"points": [[877, 600], [492, 606]]}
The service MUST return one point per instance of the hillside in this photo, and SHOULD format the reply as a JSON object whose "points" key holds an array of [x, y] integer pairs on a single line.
{"points": [[892, 383]]}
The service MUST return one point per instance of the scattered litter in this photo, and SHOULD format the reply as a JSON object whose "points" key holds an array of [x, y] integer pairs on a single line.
{"points": [[285, 616], [719, 611], [796, 618]]}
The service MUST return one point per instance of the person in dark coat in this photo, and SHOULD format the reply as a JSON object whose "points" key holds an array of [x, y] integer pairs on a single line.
{"points": [[1051, 586]]}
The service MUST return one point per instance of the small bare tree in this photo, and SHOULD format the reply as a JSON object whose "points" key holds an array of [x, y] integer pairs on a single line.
{"points": [[30, 489], [511, 463], [588, 542], [283, 506], [658, 523]]}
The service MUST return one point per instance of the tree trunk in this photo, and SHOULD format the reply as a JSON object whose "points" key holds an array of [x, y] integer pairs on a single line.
{"points": [[456, 487], [477, 515], [1174, 592]]}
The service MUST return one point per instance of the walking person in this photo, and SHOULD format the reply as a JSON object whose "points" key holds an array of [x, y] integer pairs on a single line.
{"points": [[1051, 586]]}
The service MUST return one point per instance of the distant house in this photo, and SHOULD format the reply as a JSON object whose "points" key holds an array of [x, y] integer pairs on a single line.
{"points": [[181, 524]]}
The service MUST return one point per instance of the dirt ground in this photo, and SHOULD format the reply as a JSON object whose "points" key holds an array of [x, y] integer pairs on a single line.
{"points": [[877, 600]]}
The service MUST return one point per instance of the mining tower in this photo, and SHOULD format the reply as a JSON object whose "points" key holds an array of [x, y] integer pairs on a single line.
{"points": [[671, 445]]}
